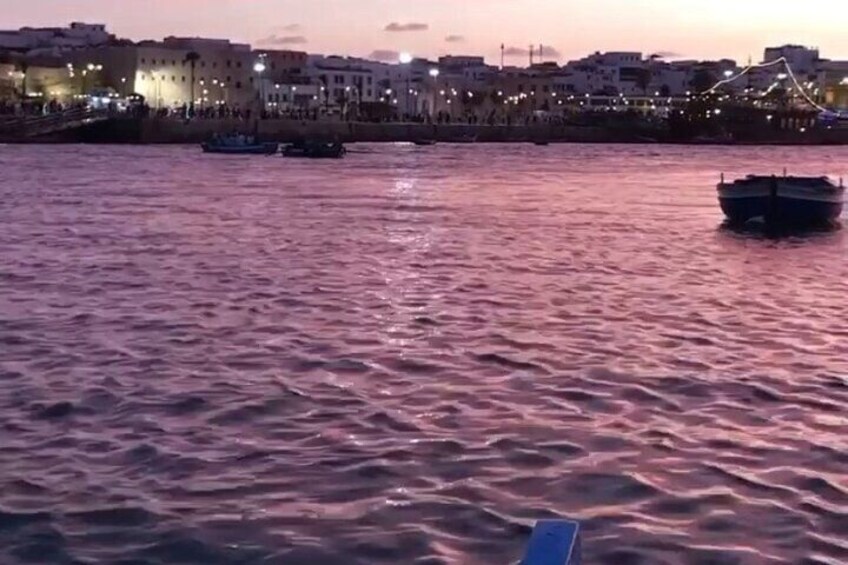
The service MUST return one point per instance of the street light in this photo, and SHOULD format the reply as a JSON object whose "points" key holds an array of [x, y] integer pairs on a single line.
{"points": [[405, 58], [259, 68], [728, 73], [434, 72]]}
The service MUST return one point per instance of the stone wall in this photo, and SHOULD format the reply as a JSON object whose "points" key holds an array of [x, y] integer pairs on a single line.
{"points": [[172, 131]]}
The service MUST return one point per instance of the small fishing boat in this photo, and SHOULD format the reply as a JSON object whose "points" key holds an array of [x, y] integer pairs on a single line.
{"points": [[541, 142], [315, 150], [424, 142], [239, 145], [782, 201]]}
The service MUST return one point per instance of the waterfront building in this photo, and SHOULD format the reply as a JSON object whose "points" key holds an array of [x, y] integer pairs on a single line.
{"points": [[831, 84], [54, 39], [291, 95], [41, 78], [176, 71], [163, 71], [343, 83]]}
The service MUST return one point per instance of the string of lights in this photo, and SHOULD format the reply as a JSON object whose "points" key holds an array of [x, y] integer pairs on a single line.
{"points": [[776, 62]]}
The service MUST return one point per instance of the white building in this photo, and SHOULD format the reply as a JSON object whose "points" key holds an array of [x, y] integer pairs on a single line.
{"points": [[406, 86], [287, 96], [342, 81], [54, 39], [162, 71]]}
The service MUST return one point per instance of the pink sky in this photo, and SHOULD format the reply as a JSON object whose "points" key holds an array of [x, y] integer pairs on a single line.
{"points": [[688, 28]]}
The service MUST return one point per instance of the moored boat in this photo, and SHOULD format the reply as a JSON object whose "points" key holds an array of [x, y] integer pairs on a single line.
{"points": [[239, 145], [315, 150], [424, 142], [782, 201]]}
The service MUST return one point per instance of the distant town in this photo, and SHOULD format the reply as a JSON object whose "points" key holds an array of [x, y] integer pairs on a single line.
{"points": [[43, 69], [60, 63]]}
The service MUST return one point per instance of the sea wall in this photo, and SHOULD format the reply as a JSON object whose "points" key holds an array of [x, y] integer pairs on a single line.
{"points": [[171, 131]]}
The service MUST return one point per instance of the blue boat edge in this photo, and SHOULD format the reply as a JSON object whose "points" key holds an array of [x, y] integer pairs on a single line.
{"points": [[554, 542]]}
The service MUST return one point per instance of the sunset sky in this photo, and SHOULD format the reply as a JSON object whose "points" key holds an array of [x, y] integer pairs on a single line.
{"points": [[682, 28]]}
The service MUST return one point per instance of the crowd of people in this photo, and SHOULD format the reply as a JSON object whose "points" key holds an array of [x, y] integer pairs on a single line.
{"points": [[223, 111], [35, 107]]}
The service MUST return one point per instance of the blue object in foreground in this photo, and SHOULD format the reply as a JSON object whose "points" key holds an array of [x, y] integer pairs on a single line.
{"points": [[554, 542]]}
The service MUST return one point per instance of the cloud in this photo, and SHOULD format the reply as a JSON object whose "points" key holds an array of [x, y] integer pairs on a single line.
{"points": [[291, 27], [667, 55], [550, 52], [547, 51], [455, 39], [411, 26], [283, 40], [516, 52], [384, 55]]}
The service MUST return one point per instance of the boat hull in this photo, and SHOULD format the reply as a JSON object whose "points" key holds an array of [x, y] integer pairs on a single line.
{"points": [[315, 152], [259, 149], [780, 202], [791, 211]]}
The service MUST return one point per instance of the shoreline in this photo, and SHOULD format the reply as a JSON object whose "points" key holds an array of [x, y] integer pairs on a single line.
{"points": [[154, 131]]}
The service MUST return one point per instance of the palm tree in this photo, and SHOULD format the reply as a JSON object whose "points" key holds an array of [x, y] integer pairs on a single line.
{"points": [[24, 68], [702, 80], [192, 57], [643, 80], [326, 86]]}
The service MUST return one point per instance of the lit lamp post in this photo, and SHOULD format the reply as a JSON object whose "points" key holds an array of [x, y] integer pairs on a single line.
{"points": [[157, 89], [346, 102], [434, 73], [405, 59], [728, 74], [259, 68]]}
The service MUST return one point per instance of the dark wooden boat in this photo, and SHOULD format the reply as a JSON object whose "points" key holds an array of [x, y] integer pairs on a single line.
{"points": [[782, 201], [242, 149], [424, 142], [314, 150]]}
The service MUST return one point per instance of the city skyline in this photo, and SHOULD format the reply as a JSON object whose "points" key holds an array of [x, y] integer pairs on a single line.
{"points": [[381, 28]]}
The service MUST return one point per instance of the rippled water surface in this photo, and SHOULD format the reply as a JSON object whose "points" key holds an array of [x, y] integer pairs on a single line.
{"points": [[411, 355]]}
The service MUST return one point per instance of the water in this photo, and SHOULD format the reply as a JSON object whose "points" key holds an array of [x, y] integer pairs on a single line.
{"points": [[411, 355]]}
